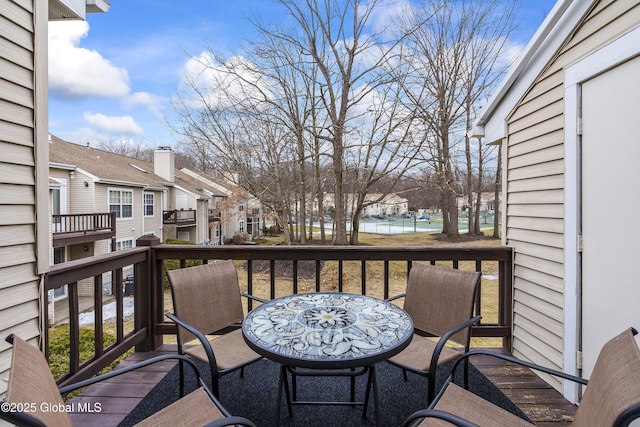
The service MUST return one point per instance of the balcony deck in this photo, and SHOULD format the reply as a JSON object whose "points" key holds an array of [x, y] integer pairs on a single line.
{"points": [[118, 396], [269, 271]]}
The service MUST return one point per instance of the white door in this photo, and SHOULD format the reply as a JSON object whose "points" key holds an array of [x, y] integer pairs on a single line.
{"points": [[610, 207]]}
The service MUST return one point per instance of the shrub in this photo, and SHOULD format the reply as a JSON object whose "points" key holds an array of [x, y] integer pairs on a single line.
{"points": [[174, 264], [59, 350], [240, 238]]}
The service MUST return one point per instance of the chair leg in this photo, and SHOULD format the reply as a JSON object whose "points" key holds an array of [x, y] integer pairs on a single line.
{"points": [[181, 368], [466, 374], [431, 387], [215, 389]]}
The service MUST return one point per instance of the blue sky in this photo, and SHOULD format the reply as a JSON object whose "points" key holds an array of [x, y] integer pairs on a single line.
{"points": [[111, 76]]}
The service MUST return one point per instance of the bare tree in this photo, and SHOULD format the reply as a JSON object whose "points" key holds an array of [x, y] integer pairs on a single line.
{"points": [[326, 84], [128, 147], [334, 35], [455, 63]]}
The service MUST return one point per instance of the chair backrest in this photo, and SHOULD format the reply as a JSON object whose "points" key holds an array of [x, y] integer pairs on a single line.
{"points": [[207, 297], [31, 383], [439, 298], [614, 386]]}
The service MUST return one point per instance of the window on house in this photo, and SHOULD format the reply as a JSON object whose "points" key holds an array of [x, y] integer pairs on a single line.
{"points": [[241, 226], [121, 202], [124, 244], [148, 203], [241, 207]]}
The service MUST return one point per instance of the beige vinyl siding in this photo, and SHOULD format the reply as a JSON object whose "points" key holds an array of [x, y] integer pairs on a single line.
{"points": [[153, 224], [535, 189], [81, 199], [21, 89]]}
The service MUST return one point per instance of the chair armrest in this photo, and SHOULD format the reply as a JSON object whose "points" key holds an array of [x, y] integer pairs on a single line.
{"points": [[20, 419], [201, 337], [521, 362], [231, 421], [395, 297], [66, 389], [433, 413], [262, 300], [447, 335]]}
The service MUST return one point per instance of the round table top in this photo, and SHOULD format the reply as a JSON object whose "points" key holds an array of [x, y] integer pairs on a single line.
{"points": [[327, 330]]}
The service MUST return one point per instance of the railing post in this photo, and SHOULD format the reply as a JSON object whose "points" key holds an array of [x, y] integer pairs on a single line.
{"points": [[146, 295]]}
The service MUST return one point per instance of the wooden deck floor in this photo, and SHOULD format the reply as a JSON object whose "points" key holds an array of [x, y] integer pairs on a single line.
{"points": [[118, 396]]}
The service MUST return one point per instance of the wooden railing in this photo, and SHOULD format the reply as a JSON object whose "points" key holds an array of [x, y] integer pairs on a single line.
{"points": [[96, 271], [272, 271], [69, 229]]}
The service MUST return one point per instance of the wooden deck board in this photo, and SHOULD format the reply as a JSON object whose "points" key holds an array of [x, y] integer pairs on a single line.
{"points": [[541, 403]]}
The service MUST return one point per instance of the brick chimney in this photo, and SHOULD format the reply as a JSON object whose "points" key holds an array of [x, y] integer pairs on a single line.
{"points": [[164, 163]]}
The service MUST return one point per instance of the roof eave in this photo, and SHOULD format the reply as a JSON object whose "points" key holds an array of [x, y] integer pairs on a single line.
{"points": [[553, 32]]}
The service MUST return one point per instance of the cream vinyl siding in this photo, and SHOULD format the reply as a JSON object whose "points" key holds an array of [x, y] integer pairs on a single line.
{"points": [[21, 89], [535, 189]]}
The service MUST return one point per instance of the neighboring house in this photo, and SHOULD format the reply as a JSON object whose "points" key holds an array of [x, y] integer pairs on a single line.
{"points": [[230, 206], [148, 198], [377, 204], [487, 202], [567, 118], [24, 181]]}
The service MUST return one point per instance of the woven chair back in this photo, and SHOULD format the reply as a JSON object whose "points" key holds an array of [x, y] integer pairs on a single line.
{"points": [[207, 297], [439, 298], [31, 383], [614, 385]]}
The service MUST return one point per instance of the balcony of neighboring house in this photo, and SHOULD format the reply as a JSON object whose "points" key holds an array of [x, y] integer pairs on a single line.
{"points": [[179, 217], [72, 229]]}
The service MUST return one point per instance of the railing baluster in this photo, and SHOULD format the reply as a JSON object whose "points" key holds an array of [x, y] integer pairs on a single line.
{"points": [[249, 283], [116, 287], [317, 275], [295, 276], [386, 279], [272, 278], [74, 328], [97, 302]]}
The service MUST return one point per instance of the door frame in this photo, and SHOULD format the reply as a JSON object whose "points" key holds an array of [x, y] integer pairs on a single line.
{"points": [[607, 57]]}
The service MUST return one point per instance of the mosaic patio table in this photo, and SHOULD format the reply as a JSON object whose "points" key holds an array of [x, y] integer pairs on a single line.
{"points": [[324, 333]]}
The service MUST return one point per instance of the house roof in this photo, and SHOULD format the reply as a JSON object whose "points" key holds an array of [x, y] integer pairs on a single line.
{"points": [[107, 167], [548, 39]]}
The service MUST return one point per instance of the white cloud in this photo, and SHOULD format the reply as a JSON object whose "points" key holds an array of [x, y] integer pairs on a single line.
{"points": [[385, 14], [220, 85], [122, 125], [151, 102], [76, 72]]}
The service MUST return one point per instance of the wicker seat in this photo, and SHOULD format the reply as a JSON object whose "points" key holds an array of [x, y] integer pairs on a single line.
{"points": [[440, 301], [38, 401], [207, 301], [611, 398]]}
